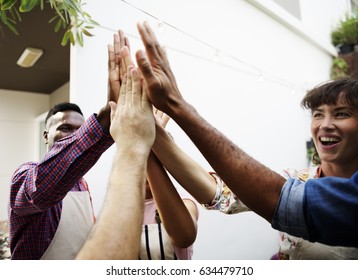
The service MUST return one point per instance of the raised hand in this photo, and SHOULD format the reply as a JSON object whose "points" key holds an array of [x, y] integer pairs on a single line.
{"points": [[132, 120], [122, 41], [118, 62], [163, 91], [161, 119]]}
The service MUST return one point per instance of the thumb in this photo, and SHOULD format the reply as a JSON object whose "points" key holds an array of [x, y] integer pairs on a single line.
{"points": [[144, 65]]}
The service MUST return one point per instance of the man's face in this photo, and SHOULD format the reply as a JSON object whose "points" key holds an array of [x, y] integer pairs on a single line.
{"points": [[61, 125]]}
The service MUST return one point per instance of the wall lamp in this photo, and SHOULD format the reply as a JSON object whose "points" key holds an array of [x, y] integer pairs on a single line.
{"points": [[29, 57]]}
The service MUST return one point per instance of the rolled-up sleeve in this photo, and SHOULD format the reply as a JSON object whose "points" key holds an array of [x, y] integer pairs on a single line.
{"points": [[321, 210], [289, 216]]}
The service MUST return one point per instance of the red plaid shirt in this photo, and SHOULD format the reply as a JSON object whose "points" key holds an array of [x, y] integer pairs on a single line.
{"points": [[37, 189]]}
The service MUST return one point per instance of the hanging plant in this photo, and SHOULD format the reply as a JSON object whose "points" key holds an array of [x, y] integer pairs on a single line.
{"points": [[339, 68], [69, 15], [345, 35]]}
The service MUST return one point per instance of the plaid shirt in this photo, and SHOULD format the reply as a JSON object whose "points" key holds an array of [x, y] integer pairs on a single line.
{"points": [[37, 189]]}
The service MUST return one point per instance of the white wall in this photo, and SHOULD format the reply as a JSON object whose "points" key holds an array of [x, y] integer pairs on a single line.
{"points": [[326, 19], [17, 142], [62, 94], [264, 118]]}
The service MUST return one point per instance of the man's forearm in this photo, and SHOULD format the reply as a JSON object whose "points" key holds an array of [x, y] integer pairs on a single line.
{"points": [[256, 185], [123, 208]]}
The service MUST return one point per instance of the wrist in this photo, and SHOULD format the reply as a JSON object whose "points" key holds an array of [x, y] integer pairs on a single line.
{"points": [[179, 110], [104, 116], [133, 152]]}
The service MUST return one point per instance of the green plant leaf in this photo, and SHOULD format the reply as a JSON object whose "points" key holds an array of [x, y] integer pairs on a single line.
{"points": [[59, 12], [79, 38], [74, 5], [65, 38], [72, 38], [339, 68], [68, 14], [12, 28], [28, 5], [84, 31], [346, 33], [7, 4], [93, 22], [58, 25], [15, 14], [53, 18]]}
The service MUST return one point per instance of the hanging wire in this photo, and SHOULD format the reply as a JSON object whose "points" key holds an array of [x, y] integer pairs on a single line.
{"points": [[217, 53]]}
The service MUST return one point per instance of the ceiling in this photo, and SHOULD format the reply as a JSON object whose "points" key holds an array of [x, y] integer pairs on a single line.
{"points": [[51, 71]]}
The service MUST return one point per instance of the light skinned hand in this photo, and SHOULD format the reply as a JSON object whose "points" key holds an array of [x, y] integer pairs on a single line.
{"points": [[132, 120]]}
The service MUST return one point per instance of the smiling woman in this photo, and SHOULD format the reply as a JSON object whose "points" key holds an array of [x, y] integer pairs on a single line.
{"points": [[334, 129], [334, 125]]}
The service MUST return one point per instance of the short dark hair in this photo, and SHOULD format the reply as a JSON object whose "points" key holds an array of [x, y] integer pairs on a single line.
{"points": [[330, 92], [61, 107]]}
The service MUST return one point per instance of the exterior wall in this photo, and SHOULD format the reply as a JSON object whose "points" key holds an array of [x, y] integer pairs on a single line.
{"points": [[20, 116], [62, 94], [18, 111], [252, 95]]}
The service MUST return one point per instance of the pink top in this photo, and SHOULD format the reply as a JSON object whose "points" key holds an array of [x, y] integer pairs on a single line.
{"points": [[149, 218]]}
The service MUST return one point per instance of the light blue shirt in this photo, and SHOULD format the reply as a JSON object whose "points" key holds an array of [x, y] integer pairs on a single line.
{"points": [[321, 210]]}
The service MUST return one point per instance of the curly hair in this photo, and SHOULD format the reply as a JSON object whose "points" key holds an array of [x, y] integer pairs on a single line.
{"points": [[343, 89]]}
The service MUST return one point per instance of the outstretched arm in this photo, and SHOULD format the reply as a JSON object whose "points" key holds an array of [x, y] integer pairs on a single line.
{"points": [[116, 235], [256, 185], [178, 216], [188, 173]]}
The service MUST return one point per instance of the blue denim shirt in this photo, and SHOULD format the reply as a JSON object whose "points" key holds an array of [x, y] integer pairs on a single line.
{"points": [[321, 210]]}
